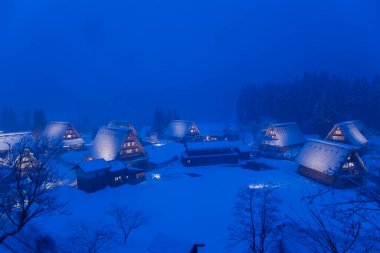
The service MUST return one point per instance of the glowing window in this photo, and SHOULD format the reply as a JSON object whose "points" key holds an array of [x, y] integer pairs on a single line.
{"points": [[337, 138]]}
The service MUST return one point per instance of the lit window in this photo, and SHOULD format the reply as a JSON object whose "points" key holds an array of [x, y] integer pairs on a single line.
{"points": [[348, 165], [337, 138], [118, 178]]}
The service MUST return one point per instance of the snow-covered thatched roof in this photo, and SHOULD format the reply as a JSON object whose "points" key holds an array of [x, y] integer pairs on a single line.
{"points": [[324, 156], [108, 142], [351, 133], [8, 140], [179, 128], [359, 124], [288, 134], [122, 124], [55, 131]]}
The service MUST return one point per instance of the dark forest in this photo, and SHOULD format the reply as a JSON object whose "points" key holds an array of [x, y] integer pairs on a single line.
{"points": [[315, 101]]}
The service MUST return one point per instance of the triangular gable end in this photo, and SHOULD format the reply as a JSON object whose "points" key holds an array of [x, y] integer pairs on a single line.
{"points": [[70, 133], [336, 134], [271, 134], [353, 164], [131, 147], [193, 129]]}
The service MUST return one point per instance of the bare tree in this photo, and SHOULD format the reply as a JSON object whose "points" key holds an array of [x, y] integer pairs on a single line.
{"points": [[27, 186], [365, 202], [256, 218], [340, 223], [333, 232], [91, 237], [127, 220]]}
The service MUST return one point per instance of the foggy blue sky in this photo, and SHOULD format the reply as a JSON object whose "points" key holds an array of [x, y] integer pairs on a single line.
{"points": [[121, 58]]}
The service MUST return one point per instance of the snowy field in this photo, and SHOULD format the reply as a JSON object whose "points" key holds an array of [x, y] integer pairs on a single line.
{"points": [[190, 209], [189, 205]]}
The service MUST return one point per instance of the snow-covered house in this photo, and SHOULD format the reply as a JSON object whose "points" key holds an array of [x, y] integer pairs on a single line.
{"points": [[348, 132], [92, 175], [209, 153], [331, 163], [9, 140], [96, 174], [63, 135], [181, 130], [281, 137], [118, 143]]}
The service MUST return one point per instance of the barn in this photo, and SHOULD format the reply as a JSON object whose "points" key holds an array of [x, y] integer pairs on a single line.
{"points": [[281, 137], [331, 163], [63, 135], [119, 143], [120, 174], [94, 175], [180, 130], [348, 132], [209, 153]]}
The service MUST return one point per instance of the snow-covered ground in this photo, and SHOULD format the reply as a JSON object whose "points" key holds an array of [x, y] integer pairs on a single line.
{"points": [[189, 204], [193, 209]]}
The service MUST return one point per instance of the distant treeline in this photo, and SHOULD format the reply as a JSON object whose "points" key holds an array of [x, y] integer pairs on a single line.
{"points": [[315, 101], [10, 121]]}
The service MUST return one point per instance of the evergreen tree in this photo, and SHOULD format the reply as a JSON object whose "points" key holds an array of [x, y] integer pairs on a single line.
{"points": [[9, 119], [85, 125], [39, 122], [175, 115], [26, 124], [324, 116], [158, 123], [316, 101]]}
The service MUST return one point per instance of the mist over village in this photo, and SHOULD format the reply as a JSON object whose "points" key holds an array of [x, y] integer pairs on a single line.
{"points": [[162, 126]]}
